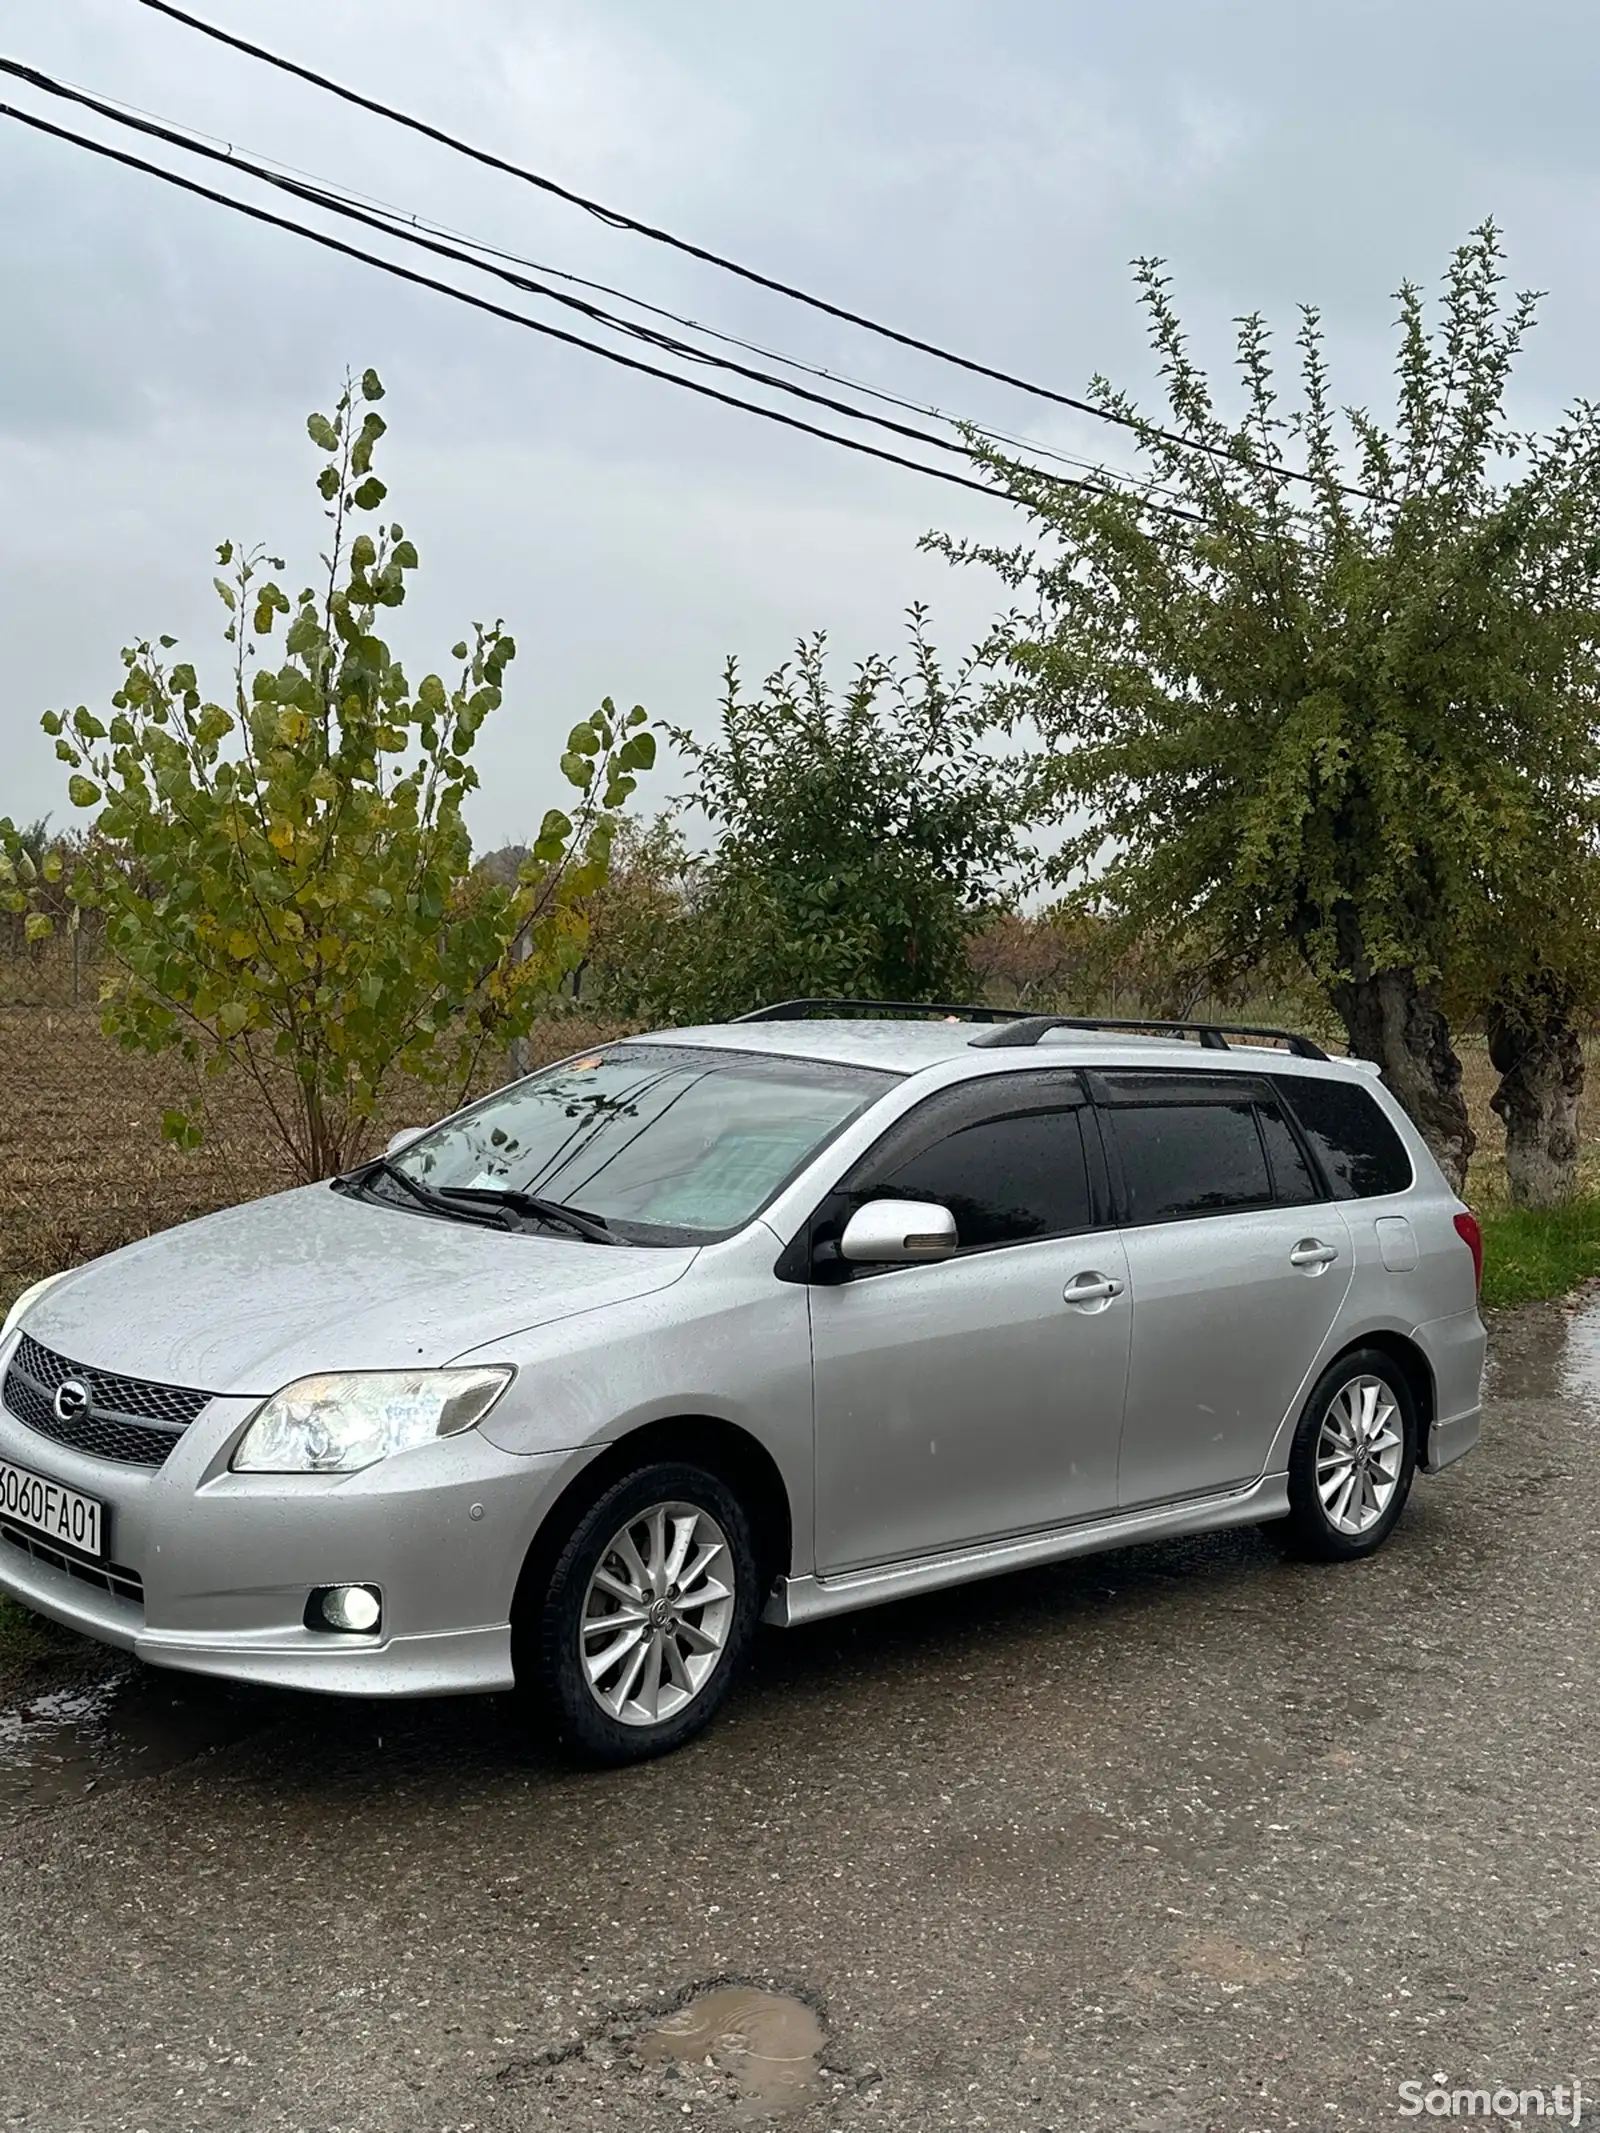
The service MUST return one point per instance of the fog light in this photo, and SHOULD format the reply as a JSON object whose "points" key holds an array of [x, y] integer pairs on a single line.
{"points": [[348, 1607]]}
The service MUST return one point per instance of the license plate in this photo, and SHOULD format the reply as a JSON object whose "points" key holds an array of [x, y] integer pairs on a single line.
{"points": [[47, 1508]]}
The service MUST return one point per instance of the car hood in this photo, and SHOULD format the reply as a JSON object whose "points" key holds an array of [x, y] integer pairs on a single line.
{"points": [[243, 1301]]}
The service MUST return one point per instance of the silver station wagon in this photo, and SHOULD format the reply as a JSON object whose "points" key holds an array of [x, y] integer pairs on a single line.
{"points": [[767, 1321]]}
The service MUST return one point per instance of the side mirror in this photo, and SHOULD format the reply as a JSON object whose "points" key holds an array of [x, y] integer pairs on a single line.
{"points": [[898, 1233], [404, 1138]]}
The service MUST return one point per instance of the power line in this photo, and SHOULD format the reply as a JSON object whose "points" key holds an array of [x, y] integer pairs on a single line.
{"points": [[392, 216], [776, 355], [397, 221], [614, 218], [316, 195], [516, 318]]}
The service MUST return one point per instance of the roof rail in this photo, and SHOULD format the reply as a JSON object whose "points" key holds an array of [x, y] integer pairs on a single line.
{"points": [[1214, 1036], [805, 1010]]}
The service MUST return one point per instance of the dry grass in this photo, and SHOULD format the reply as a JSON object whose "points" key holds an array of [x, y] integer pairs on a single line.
{"points": [[83, 1167]]}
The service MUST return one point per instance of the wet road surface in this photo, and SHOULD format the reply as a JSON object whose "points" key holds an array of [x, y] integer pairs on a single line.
{"points": [[1170, 1840]]}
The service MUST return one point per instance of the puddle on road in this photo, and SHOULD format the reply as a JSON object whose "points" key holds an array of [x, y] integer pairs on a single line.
{"points": [[1580, 1358], [1547, 1350], [63, 1743], [769, 2044]]}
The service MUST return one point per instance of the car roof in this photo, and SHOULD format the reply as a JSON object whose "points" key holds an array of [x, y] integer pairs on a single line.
{"points": [[907, 1046]]}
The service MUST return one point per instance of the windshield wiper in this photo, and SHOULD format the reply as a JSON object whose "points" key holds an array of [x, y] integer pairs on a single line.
{"points": [[593, 1227], [424, 1195]]}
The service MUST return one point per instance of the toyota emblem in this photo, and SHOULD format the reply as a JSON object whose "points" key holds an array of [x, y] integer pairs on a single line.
{"points": [[71, 1400]]}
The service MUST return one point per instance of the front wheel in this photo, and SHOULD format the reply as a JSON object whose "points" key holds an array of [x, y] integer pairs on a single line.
{"points": [[649, 1611], [1352, 1461]]}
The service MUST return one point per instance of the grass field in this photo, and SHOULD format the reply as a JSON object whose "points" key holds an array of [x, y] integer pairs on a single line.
{"points": [[1527, 1256]]}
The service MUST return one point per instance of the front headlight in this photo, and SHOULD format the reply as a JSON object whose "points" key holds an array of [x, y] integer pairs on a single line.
{"points": [[345, 1420], [26, 1301]]}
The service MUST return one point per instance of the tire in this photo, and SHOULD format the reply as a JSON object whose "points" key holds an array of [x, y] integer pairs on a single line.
{"points": [[657, 1691], [1352, 1460]]}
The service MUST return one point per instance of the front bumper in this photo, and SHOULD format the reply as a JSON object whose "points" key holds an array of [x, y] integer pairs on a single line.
{"points": [[227, 1560]]}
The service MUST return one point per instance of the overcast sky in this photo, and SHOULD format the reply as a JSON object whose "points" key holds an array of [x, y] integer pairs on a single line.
{"points": [[976, 172]]}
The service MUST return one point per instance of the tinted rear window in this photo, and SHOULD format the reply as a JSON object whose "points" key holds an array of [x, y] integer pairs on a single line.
{"points": [[1190, 1159], [1291, 1174], [1355, 1144]]}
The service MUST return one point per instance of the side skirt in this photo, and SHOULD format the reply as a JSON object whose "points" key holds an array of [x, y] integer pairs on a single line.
{"points": [[795, 1601]]}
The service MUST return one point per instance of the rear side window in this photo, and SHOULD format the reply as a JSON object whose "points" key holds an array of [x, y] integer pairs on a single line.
{"points": [[1004, 1179], [1293, 1184], [1355, 1144], [1190, 1159]]}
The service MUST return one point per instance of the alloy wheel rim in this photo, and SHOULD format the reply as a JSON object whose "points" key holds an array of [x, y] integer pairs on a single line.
{"points": [[657, 1614], [1360, 1449]]}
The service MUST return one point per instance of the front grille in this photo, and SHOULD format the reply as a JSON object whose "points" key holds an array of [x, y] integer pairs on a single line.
{"points": [[110, 1577], [174, 1404], [127, 1419]]}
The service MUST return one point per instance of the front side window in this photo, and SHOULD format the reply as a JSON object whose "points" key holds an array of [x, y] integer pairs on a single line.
{"points": [[1006, 1155], [1006, 1180], [1360, 1151], [665, 1144]]}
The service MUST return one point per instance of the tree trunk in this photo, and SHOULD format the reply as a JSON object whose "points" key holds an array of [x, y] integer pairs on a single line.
{"points": [[1535, 1050], [1393, 1019]]}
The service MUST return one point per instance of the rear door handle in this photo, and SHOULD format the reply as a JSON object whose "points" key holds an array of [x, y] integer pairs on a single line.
{"points": [[1091, 1289], [1311, 1251]]}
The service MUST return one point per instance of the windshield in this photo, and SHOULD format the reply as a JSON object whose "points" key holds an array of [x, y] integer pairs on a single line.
{"points": [[664, 1144]]}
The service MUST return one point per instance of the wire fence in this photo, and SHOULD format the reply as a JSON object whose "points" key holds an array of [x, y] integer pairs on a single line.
{"points": [[66, 969]]}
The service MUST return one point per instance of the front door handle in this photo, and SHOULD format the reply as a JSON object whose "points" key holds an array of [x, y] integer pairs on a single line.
{"points": [[1312, 1252], [1091, 1289]]}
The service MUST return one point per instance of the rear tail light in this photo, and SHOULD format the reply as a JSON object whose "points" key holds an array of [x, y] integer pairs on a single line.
{"points": [[1472, 1237]]}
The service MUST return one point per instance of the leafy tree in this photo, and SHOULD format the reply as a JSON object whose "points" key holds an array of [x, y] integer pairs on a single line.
{"points": [[646, 922], [1030, 958], [283, 874], [858, 834], [34, 838], [1364, 723]]}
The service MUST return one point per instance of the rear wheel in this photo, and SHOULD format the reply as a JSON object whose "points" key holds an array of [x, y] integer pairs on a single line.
{"points": [[1353, 1458], [648, 1613]]}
